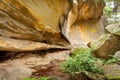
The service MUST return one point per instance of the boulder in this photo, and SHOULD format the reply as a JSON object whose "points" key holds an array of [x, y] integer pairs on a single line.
{"points": [[114, 29], [112, 71], [106, 45]]}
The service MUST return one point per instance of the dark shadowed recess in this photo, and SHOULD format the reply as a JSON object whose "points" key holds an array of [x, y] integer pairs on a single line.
{"points": [[6, 55]]}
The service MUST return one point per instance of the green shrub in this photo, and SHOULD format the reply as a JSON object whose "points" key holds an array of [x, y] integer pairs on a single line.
{"points": [[81, 60]]}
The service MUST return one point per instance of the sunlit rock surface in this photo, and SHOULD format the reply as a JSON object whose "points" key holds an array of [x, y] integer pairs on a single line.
{"points": [[36, 20], [46, 20], [9, 44], [36, 25], [82, 24]]}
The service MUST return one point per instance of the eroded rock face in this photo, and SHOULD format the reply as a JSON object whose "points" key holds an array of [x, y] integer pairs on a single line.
{"points": [[9, 44], [34, 25], [82, 24], [39, 20], [34, 20], [90, 9]]}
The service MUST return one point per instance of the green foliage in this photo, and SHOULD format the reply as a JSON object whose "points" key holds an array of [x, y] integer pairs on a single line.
{"points": [[41, 78], [113, 60], [29, 79], [111, 11], [82, 60]]}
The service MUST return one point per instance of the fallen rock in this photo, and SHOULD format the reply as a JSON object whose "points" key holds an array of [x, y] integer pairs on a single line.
{"points": [[106, 45], [112, 71], [114, 29]]}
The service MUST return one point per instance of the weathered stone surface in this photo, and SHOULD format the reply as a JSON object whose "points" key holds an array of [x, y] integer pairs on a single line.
{"points": [[106, 45], [114, 29], [86, 76], [39, 20], [13, 72], [29, 64], [104, 21], [117, 55], [99, 63], [34, 25], [90, 9], [8, 44], [112, 71], [36, 20], [82, 24]]}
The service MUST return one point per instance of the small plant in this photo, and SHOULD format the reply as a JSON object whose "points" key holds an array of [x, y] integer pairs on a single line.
{"points": [[81, 60], [113, 60], [41, 78], [29, 79]]}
